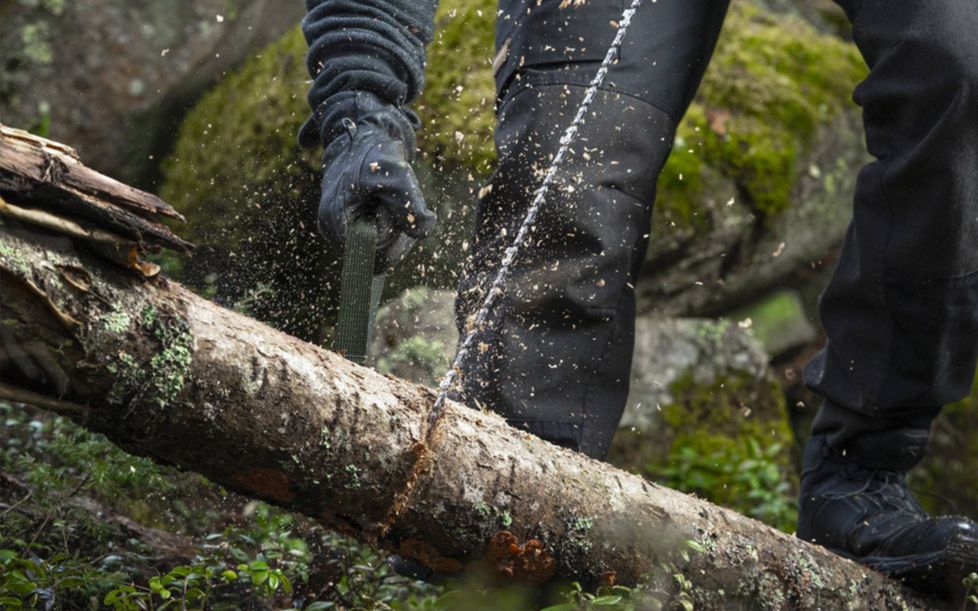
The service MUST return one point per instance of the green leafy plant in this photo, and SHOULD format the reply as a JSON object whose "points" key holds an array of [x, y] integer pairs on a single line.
{"points": [[261, 560], [971, 588], [195, 585], [34, 583], [607, 598], [743, 476], [53, 547]]}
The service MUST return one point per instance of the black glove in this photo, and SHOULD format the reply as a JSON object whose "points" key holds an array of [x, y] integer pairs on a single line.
{"points": [[367, 173]]}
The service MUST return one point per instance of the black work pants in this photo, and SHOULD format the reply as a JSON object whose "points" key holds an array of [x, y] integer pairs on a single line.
{"points": [[900, 311]]}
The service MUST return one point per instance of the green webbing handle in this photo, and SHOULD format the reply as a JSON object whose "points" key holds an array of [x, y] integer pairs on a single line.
{"points": [[360, 291]]}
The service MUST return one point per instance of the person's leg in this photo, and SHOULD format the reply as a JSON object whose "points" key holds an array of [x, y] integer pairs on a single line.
{"points": [[556, 358], [901, 311]]}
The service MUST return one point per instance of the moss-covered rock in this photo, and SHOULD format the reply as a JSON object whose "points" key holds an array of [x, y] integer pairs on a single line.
{"points": [[241, 133], [768, 131], [730, 443], [706, 416], [760, 179], [457, 104], [113, 77], [250, 193], [773, 82], [945, 480]]}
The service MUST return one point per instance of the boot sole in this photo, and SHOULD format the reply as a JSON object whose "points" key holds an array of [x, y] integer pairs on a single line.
{"points": [[940, 572]]}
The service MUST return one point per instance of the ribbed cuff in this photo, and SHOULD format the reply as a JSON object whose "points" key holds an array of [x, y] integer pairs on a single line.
{"points": [[364, 109]]}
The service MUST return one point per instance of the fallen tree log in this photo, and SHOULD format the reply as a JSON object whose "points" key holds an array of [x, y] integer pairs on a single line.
{"points": [[166, 374]]}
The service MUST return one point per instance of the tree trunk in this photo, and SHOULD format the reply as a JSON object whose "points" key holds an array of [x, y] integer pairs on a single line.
{"points": [[169, 375]]}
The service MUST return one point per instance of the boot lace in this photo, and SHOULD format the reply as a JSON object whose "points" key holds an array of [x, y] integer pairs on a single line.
{"points": [[888, 488]]}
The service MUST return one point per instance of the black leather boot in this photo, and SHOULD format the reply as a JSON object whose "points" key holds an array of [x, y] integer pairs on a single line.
{"points": [[869, 515]]}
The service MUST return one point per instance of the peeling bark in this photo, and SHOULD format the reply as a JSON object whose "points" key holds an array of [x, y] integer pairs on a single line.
{"points": [[32, 168], [166, 374]]}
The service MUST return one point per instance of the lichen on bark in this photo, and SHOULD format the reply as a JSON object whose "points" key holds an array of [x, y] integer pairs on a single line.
{"points": [[160, 379]]}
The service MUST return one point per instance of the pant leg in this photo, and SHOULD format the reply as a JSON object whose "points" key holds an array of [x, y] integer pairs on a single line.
{"points": [[556, 358], [901, 311]]}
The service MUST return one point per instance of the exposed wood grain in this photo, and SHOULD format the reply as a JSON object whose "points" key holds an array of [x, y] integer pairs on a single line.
{"points": [[39, 173]]}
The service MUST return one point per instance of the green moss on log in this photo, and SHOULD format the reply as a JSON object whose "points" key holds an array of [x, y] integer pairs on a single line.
{"points": [[159, 379]]}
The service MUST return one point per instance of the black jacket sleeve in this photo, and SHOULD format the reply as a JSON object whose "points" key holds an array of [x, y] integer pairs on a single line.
{"points": [[377, 46]]}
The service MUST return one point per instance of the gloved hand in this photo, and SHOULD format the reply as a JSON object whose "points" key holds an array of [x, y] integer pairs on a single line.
{"points": [[367, 173]]}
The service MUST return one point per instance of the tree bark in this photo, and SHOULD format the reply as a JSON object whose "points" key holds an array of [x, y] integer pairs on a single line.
{"points": [[33, 169], [166, 374]]}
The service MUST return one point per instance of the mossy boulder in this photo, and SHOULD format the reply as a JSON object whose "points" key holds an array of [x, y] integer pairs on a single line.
{"points": [[761, 175], [705, 415], [113, 77], [457, 104], [945, 480], [770, 134], [730, 443], [250, 193], [774, 81]]}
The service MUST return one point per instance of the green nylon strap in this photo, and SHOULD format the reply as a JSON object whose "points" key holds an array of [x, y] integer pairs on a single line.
{"points": [[360, 291]]}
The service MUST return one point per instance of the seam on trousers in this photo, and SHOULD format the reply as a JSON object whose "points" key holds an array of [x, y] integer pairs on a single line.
{"points": [[943, 283], [586, 407], [880, 287], [614, 335], [527, 83]]}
